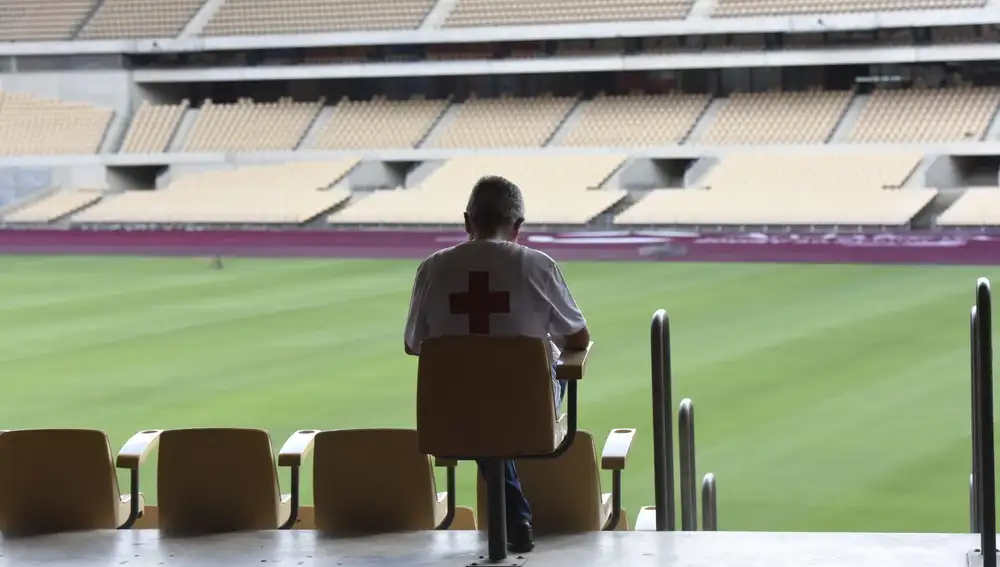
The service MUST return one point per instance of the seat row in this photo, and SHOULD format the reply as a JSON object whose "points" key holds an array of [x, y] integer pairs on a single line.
{"points": [[212, 480]]}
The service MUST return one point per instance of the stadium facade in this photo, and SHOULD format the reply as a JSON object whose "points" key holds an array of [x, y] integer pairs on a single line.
{"points": [[732, 114]]}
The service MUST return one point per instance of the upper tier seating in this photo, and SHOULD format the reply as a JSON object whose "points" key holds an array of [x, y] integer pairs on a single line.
{"points": [[751, 8], [41, 20], [267, 17], [153, 126], [805, 117], [290, 193], [505, 122], [54, 206], [791, 189], [959, 114], [131, 19], [35, 126], [469, 13], [568, 197], [379, 123], [249, 126], [636, 120], [978, 206]]}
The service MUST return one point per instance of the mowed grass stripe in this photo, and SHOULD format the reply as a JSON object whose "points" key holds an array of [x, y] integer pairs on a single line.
{"points": [[827, 397]]}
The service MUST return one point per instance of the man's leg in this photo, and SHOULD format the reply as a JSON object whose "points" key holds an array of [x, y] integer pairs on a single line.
{"points": [[518, 510]]}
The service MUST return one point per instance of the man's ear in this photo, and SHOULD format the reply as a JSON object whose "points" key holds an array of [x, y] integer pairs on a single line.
{"points": [[517, 229], [468, 224]]}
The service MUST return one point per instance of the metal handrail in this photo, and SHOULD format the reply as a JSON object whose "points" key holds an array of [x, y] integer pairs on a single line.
{"points": [[688, 470], [985, 480], [663, 444], [709, 504]]}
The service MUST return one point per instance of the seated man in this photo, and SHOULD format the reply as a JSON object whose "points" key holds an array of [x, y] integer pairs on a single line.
{"points": [[490, 285]]}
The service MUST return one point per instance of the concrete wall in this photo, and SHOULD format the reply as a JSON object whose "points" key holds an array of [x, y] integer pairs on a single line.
{"points": [[943, 172]]}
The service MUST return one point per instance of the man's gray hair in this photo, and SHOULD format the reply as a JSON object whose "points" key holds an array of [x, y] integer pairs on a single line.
{"points": [[495, 202]]}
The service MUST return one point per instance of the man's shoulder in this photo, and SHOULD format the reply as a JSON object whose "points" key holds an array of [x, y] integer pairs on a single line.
{"points": [[537, 257]]}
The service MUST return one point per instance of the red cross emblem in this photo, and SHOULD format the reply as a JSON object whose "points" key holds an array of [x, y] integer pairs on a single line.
{"points": [[479, 303]]}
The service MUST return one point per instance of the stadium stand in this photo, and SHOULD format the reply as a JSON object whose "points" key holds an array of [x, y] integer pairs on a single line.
{"points": [[54, 206], [251, 126], [42, 21], [132, 19], [266, 17], [152, 127], [290, 193], [752, 8], [379, 123], [927, 115], [977, 207], [791, 189], [36, 126], [571, 197], [806, 117], [471, 13], [636, 120], [505, 122]]}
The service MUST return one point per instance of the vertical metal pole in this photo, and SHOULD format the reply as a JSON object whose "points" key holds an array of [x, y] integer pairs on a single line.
{"points": [[709, 504], [976, 496], [497, 509], [663, 445], [984, 371], [689, 490]]}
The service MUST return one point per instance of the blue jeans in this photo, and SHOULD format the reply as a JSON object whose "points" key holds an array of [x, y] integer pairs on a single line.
{"points": [[518, 509]]}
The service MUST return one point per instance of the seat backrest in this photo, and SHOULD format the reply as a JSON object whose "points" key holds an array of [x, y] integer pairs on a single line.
{"points": [[372, 481], [57, 480], [564, 492], [216, 480], [485, 396]]}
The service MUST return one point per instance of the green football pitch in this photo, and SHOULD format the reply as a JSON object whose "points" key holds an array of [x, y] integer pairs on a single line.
{"points": [[828, 397]]}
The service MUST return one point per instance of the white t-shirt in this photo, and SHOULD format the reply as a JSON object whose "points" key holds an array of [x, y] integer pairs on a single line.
{"points": [[491, 287]]}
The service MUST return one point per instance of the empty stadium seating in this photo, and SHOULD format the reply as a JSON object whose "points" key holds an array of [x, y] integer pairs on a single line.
{"points": [[251, 126], [48, 20], [281, 194], [959, 114], [130, 19], [379, 123], [564, 198], [265, 17], [635, 121], [528, 12], [505, 122], [806, 117], [791, 189], [53, 206], [152, 127], [32, 126], [977, 207], [745, 8]]}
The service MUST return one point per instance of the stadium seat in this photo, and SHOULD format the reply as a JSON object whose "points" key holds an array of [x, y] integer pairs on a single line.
{"points": [[59, 480], [752, 8], [636, 120], [214, 480], [267, 17], [153, 127], [977, 207], [533, 12], [507, 412], [505, 122], [135, 19], [54, 206], [42, 21], [565, 492], [369, 481], [959, 114], [801, 117], [30, 125]]}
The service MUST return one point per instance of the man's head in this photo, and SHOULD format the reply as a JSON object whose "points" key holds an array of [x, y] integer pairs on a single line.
{"points": [[495, 209]]}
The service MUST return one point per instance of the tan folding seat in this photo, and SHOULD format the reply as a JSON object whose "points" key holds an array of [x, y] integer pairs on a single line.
{"points": [[565, 492], [507, 412], [213, 480], [369, 481], [60, 480]]}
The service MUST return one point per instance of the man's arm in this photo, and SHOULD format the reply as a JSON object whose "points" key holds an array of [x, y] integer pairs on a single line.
{"points": [[567, 324], [416, 320]]}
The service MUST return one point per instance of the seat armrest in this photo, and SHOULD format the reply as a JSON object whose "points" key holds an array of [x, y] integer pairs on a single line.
{"points": [[572, 364], [298, 446], [134, 452], [616, 448], [445, 463]]}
